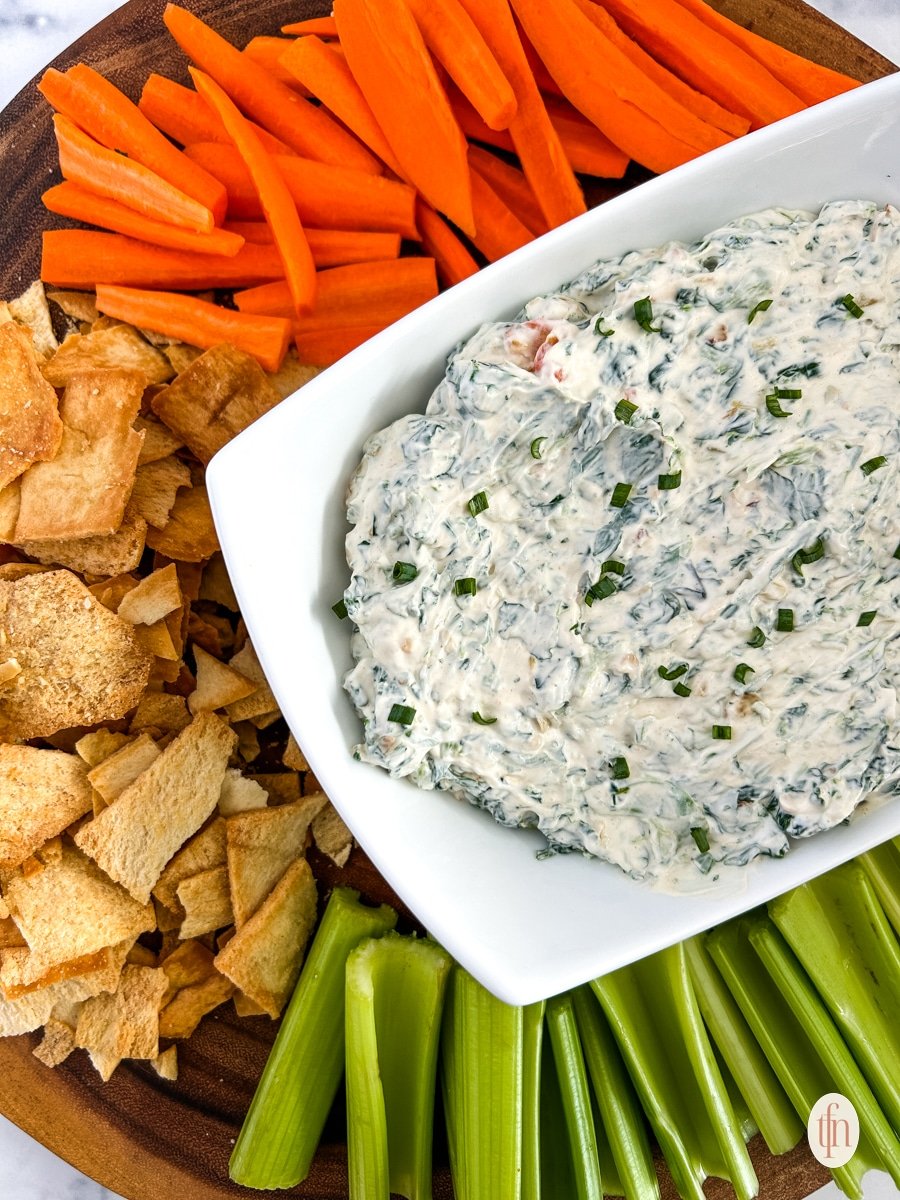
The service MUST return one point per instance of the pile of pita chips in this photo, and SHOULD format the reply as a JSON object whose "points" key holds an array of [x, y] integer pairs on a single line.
{"points": [[150, 869]]}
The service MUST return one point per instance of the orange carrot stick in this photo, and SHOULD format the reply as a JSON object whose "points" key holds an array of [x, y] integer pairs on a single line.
{"points": [[267, 52], [107, 173], [327, 196], [389, 59], [105, 114], [809, 80], [322, 347], [81, 258], [325, 27], [535, 140], [498, 231], [198, 322], [454, 262], [330, 247], [275, 198], [279, 109], [360, 291], [511, 186], [186, 117], [72, 200], [455, 41]]}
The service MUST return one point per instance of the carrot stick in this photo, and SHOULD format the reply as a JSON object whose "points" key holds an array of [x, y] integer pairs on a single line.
{"points": [[359, 292], [330, 247], [81, 258], [324, 72], [198, 322], [511, 186], [105, 114], [389, 59], [328, 196], [498, 231], [809, 80], [279, 109], [267, 51], [536, 142], [321, 26], [322, 347], [455, 41], [705, 59], [454, 262], [72, 200], [107, 173], [275, 198], [186, 117]]}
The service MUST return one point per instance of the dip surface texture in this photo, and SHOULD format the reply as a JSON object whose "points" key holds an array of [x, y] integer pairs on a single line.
{"points": [[656, 644]]}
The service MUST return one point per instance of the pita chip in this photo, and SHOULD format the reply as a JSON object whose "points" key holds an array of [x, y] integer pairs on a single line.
{"points": [[114, 554], [101, 743], [114, 774], [293, 756], [159, 713], [184, 1012], [31, 310], [159, 442], [57, 1043], [124, 1023], [205, 850], [77, 306], [156, 485], [30, 426], [292, 375], [218, 684], [216, 585], [119, 348], [189, 534], [331, 835], [262, 699], [166, 1064], [153, 598], [260, 846], [240, 793], [41, 793], [206, 902]]}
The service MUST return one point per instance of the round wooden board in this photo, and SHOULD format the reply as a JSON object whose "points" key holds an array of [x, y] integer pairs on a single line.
{"points": [[142, 1137]]}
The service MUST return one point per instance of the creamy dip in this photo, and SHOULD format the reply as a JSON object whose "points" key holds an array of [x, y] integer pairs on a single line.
{"points": [[670, 636]]}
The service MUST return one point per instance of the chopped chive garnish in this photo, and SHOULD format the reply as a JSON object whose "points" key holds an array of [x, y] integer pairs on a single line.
{"points": [[784, 622], [867, 618], [758, 308], [681, 689], [402, 714], [478, 503], [619, 768], [804, 557], [897, 551], [465, 587], [699, 836], [599, 330], [536, 446], [873, 464], [742, 670], [672, 672], [339, 609], [757, 638], [775, 408], [643, 314], [612, 566], [668, 483], [721, 733], [624, 411], [404, 572], [480, 720], [620, 495], [788, 393], [851, 306], [600, 590]]}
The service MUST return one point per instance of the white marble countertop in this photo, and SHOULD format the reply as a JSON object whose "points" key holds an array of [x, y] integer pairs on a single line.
{"points": [[31, 33]]}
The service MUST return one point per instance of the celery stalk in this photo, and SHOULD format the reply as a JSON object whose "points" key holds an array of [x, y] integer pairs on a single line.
{"points": [[620, 1111], [303, 1073], [653, 1013], [882, 865], [532, 1045], [576, 1097], [609, 1172], [394, 997], [557, 1169], [756, 1081], [482, 1077]]}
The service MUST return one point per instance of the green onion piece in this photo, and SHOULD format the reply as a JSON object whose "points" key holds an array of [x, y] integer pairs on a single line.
{"points": [[742, 670], [784, 622], [339, 609], [804, 557], [666, 483], [757, 638], [402, 714], [681, 689], [643, 314], [774, 407], [404, 572], [536, 446], [394, 999], [851, 306], [612, 566], [763, 306], [721, 733], [897, 551], [624, 411], [873, 464], [302, 1075], [576, 1097], [478, 503], [788, 393], [465, 587], [867, 618], [620, 495], [699, 836], [599, 330], [480, 720], [619, 768], [672, 672], [603, 588]]}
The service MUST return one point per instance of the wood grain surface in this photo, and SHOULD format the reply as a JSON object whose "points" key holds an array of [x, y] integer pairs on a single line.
{"points": [[145, 1138]]}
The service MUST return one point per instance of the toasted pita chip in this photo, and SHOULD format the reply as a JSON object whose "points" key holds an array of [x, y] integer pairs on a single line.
{"points": [[30, 309], [78, 306], [245, 1007], [4, 907], [206, 902], [157, 640], [41, 793], [159, 713], [211, 633], [10, 498], [156, 487], [218, 684], [189, 534], [248, 741], [81, 664], [166, 1064], [205, 850], [180, 355], [240, 794], [260, 846], [219, 394], [183, 1014], [119, 552], [119, 348], [153, 598], [9, 933], [125, 1023], [283, 787], [167, 919], [189, 963], [134, 838], [25, 1014], [94, 747], [331, 835], [293, 756], [21, 971], [9, 670], [141, 956], [159, 442], [111, 592], [57, 1043], [82, 492], [263, 958], [113, 775], [292, 375], [262, 700], [30, 426], [216, 585]]}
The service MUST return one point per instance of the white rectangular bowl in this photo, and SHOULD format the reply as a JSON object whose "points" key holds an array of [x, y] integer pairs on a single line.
{"points": [[525, 928]]}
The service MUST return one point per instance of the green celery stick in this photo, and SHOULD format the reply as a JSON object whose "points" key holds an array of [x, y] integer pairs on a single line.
{"points": [[557, 1168], [622, 1120], [756, 1081], [394, 998], [532, 1043], [576, 1097], [747, 1125], [609, 1172], [837, 928], [653, 1013], [882, 865], [482, 1078], [303, 1073]]}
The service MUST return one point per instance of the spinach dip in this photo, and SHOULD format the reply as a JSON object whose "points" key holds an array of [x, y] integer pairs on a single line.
{"points": [[632, 578]]}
